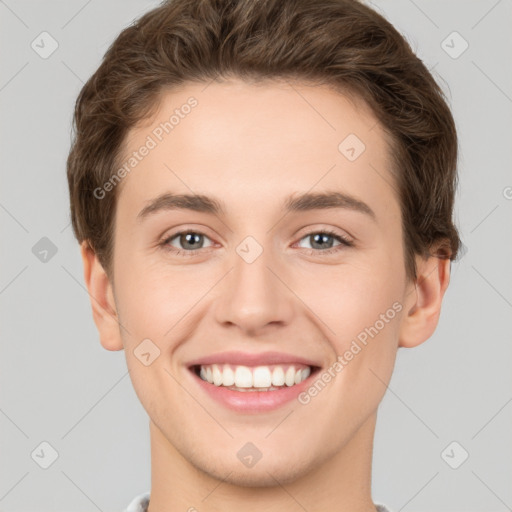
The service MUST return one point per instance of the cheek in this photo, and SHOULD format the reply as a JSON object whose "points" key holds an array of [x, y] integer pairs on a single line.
{"points": [[143, 298], [349, 298], [159, 302], [367, 333], [361, 308]]}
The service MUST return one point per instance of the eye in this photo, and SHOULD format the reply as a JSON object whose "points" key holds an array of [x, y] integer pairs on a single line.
{"points": [[322, 242], [189, 242]]}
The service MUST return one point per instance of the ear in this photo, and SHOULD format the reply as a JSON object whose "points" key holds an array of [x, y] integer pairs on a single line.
{"points": [[423, 301], [102, 299]]}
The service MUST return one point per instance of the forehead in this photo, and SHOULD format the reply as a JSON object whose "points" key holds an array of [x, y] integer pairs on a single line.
{"points": [[253, 143]]}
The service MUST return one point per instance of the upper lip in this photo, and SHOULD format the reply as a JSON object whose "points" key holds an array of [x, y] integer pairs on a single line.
{"points": [[252, 359]]}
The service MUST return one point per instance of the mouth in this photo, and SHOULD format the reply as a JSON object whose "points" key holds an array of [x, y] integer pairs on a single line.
{"points": [[252, 387], [243, 378]]}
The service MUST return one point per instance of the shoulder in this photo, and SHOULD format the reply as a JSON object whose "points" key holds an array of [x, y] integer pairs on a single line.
{"points": [[140, 503]]}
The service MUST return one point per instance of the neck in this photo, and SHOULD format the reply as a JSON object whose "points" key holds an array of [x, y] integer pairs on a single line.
{"points": [[341, 483]]}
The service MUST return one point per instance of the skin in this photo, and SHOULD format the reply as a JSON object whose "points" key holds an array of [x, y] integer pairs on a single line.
{"points": [[251, 146]]}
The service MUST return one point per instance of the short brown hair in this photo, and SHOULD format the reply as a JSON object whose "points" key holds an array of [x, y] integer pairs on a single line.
{"points": [[340, 43]]}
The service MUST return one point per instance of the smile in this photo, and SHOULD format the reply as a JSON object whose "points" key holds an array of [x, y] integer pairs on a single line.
{"points": [[259, 378], [252, 383]]}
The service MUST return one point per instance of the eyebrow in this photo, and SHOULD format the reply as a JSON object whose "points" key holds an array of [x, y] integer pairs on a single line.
{"points": [[302, 202]]}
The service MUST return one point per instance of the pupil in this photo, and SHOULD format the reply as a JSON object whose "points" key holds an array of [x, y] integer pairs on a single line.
{"points": [[189, 239], [318, 238], [322, 238]]}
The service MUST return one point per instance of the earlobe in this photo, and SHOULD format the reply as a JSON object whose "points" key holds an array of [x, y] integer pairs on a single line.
{"points": [[425, 300], [102, 299]]}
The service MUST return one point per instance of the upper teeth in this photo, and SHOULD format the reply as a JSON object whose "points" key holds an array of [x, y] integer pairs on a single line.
{"points": [[254, 377]]}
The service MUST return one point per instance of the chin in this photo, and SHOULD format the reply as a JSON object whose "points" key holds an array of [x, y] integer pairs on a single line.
{"points": [[265, 473]]}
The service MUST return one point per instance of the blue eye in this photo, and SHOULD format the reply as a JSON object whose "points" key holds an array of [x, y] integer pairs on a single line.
{"points": [[191, 242], [325, 238]]}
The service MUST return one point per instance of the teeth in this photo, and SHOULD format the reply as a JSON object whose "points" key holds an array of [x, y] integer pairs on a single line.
{"points": [[278, 376], [259, 378], [217, 375], [228, 377], [289, 378], [243, 377]]}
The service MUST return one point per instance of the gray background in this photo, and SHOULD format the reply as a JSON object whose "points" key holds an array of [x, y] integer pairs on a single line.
{"points": [[60, 386]]}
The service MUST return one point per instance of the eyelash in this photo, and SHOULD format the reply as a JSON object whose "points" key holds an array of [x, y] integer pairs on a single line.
{"points": [[344, 242]]}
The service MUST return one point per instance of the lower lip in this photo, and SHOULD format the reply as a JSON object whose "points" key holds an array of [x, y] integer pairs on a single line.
{"points": [[253, 401]]}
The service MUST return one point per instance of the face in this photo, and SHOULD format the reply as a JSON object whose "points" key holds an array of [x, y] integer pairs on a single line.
{"points": [[284, 268]]}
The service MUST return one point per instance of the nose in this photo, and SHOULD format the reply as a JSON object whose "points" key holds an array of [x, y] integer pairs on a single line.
{"points": [[255, 294]]}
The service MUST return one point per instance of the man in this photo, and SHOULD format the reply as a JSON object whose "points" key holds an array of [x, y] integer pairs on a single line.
{"points": [[263, 193]]}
